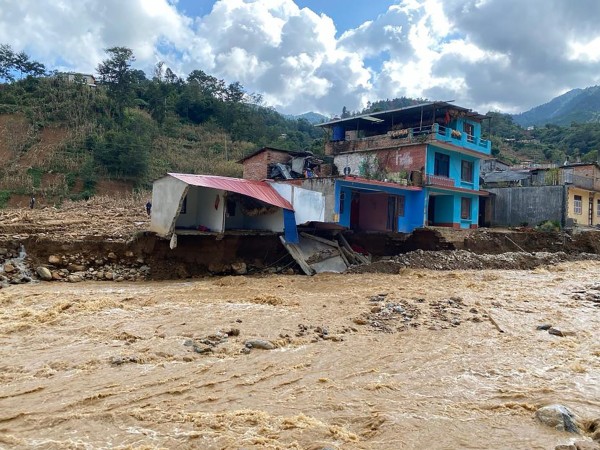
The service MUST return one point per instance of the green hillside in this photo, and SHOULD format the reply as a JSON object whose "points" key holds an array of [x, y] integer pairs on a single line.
{"points": [[577, 105], [61, 138]]}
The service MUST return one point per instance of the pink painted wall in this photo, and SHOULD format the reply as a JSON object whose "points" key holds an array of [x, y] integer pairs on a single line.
{"points": [[373, 211]]}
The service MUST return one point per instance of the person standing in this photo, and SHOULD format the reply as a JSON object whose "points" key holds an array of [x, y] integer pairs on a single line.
{"points": [[149, 208], [32, 202]]}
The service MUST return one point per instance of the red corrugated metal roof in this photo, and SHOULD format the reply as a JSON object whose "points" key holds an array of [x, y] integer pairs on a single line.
{"points": [[252, 188]]}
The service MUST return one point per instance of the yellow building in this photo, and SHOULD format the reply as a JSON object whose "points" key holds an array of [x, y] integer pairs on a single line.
{"points": [[583, 206]]}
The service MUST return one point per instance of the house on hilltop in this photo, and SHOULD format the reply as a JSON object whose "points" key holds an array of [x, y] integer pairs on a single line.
{"points": [[81, 78]]}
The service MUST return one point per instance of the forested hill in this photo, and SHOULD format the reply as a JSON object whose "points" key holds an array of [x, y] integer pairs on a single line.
{"points": [[61, 138], [577, 105]]}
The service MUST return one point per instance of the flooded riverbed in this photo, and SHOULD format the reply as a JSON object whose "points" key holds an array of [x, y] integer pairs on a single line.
{"points": [[421, 359]]}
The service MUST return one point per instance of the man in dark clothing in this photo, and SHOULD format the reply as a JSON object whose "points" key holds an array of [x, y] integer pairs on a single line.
{"points": [[148, 208], [32, 202]]}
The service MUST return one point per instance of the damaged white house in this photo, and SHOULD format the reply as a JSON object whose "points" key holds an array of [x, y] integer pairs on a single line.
{"points": [[199, 204]]}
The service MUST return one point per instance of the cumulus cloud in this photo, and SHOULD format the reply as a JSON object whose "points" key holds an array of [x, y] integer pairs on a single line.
{"points": [[500, 54]]}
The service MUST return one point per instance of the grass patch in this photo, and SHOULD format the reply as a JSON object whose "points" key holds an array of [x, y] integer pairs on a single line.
{"points": [[4, 198]]}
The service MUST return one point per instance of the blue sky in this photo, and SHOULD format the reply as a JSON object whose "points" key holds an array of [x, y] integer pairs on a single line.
{"points": [[322, 55], [346, 14]]}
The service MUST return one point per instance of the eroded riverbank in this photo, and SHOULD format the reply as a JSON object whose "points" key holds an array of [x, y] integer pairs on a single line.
{"points": [[365, 361]]}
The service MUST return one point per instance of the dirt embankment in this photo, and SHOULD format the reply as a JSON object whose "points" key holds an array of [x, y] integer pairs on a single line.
{"points": [[106, 239]]}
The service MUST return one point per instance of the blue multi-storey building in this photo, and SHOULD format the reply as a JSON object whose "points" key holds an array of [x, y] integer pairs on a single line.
{"points": [[409, 167]]}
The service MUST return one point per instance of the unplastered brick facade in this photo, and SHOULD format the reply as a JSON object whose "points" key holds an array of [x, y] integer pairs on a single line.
{"points": [[589, 171], [399, 159], [256, 167]]}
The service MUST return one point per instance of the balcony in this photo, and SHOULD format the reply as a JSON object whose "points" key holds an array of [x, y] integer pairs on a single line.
{"points": [[406, 136], [438, 180]]}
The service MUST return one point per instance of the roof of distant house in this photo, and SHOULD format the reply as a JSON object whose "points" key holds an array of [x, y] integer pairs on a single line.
{"points": [[263, 149], [506, 176], [256, 189]]}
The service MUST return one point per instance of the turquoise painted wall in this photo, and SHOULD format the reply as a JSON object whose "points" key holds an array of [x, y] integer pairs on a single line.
{"points": [[455, 166], [448, 208]]}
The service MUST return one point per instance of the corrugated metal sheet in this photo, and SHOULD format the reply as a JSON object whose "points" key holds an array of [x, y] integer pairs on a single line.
{"points": [[252, 188]]}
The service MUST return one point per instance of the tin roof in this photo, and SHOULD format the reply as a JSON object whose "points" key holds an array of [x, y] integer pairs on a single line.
{"points": [[252, 188], [387, 115]]}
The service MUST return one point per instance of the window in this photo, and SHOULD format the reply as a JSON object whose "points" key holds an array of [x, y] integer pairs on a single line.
{"points": [[466, 171], [441, 165], [183, 205], [465, 208], [578, 204], [598, 208], [342, 201]]}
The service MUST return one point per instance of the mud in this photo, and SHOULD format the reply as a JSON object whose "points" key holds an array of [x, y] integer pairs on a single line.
{"points": [[414, 359]]}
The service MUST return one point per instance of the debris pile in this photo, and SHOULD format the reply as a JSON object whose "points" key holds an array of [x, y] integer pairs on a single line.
{"points": [[465, 260], [117, 219]]}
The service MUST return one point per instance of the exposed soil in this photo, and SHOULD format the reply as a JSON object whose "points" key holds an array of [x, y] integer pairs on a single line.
{"points": [[91, 230]]}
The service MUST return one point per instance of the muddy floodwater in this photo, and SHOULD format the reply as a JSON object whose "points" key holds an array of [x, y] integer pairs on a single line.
{"points": [[419, 359]]}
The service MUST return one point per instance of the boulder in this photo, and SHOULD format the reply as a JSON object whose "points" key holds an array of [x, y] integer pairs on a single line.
{"points": [[76, 267], [9, 268], [239, 268], [109, 275], [74, 278], [262, 344], [56, 276], [44, 273], [558, 417], [112, 256], [54, 259]]}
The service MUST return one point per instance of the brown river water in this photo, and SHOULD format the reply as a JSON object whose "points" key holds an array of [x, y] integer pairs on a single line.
{"points": [[150, 365]]}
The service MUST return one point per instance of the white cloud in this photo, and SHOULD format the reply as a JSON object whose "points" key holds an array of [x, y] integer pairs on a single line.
{"points": [[505, 54]]}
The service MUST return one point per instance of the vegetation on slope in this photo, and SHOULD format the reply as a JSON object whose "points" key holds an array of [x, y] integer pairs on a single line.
{"points": [[130, 127]]}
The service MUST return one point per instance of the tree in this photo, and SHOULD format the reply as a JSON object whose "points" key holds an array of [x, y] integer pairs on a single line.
{"points": [[7, 58], [116, 73]]}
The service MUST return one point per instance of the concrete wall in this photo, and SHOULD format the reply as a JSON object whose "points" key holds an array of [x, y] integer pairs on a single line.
{"points": [[513, 206], [167, 195], [201, 211], [325, 187], [309, 205]]}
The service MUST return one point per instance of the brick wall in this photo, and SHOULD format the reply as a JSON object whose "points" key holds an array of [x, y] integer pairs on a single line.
{"points": [[256, 167], [589, 171], [394, 160]]}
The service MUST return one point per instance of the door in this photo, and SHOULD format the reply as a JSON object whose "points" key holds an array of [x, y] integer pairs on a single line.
{"points": [[392, 214], [591, 210], [431, 210]]}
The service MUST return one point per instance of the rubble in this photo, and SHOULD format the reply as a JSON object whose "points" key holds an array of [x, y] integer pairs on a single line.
{"points": [[466, 260]]}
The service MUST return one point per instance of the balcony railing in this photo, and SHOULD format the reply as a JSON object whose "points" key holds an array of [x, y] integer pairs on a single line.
{"points": [[414, 135], [438, 180]]}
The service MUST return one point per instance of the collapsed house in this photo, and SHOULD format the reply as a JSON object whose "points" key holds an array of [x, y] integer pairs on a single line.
{"points": [[199, 204], [205, 205]]}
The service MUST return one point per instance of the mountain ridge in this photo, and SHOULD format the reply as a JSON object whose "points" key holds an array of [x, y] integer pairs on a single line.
{"points": [[577, 105]]}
